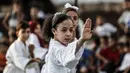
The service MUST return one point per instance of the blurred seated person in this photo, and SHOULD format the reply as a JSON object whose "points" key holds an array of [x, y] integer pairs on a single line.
{"points": [[125, 64], [102, 28], [12, 18], [110, 56], [124, 19]]}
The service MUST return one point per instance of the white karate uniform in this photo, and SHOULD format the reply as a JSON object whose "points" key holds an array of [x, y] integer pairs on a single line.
{"points": [[39, 52], [125, 63], [60, 58], [125, 19], [18, 58], [105, 30]]}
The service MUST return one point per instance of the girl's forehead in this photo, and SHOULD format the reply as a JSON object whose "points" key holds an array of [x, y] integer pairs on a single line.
{"points": [[71, 13], [24, 29], [66, 23]]}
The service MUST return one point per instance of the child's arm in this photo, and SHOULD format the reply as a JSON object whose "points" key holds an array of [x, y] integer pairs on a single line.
{"points": [[86, 34], [99, 56], [31, 49], [38, 60], [127, 70]]}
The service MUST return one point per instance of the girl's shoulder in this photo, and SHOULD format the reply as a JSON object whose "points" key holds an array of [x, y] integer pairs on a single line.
{"points": [[126, 57], [127, 54], [17, 43], [55, 45]]}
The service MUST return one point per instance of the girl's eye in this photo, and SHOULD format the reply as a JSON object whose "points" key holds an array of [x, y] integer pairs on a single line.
{"points": [[64, 30], [71, 30], [74, 18]]}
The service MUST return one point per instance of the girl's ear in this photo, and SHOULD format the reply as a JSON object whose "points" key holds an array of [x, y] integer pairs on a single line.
{"points": [[53, 31]]}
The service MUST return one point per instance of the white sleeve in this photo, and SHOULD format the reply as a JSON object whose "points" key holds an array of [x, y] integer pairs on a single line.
{"points": [[40, 52], [122, 18], [33, 68], [67, 56], [33, 39], [125, 63], [109, 27], [19, 57]]}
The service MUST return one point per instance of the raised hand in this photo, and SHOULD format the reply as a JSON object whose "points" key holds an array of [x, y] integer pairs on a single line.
{"points": [[87, 32]]}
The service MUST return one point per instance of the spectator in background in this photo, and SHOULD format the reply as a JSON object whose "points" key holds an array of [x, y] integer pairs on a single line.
{"points": [[3, 48], [11, 20], [36, 24], [123, 49], [34, 18], [102, 28], [13, 17], [87, 63], [125, 65], [11, 36], [36, 38], [110, 56], [124, 19], [101, 45]]}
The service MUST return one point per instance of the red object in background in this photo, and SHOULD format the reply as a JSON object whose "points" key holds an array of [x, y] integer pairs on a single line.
{"points": [[110, 55], [2, 61], [33, 26]]}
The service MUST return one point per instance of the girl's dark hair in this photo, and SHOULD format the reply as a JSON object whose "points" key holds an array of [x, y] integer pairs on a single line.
{"points": [[65, 10], [127, 0], [18, 2], [51, 22], [22, 25]]}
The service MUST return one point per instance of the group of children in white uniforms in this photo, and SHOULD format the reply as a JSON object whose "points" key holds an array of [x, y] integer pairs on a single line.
{"points": [[19, 57], [64, 52]]}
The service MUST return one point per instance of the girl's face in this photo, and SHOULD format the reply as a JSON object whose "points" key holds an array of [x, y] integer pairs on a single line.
{"points": [[38, 29], [64, 32], [74, 17], [24, 34]]}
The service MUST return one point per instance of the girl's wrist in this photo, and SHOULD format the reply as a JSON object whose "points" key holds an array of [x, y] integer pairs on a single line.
{"points": [[82, 40]]}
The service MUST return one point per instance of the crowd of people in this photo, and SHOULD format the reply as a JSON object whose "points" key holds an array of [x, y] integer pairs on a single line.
{"points": [[63, 42]]}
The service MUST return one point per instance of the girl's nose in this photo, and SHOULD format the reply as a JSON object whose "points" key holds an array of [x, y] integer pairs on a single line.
{"points": [[68, 33]]}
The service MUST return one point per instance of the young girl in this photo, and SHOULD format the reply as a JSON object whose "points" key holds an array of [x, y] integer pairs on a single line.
{"points": [[63, 56], [18, 56], [73, 12], [35, 39]]}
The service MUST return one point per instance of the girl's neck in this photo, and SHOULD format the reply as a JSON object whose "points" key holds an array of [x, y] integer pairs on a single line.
{"points": [[60, 42], [23, 41]]}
